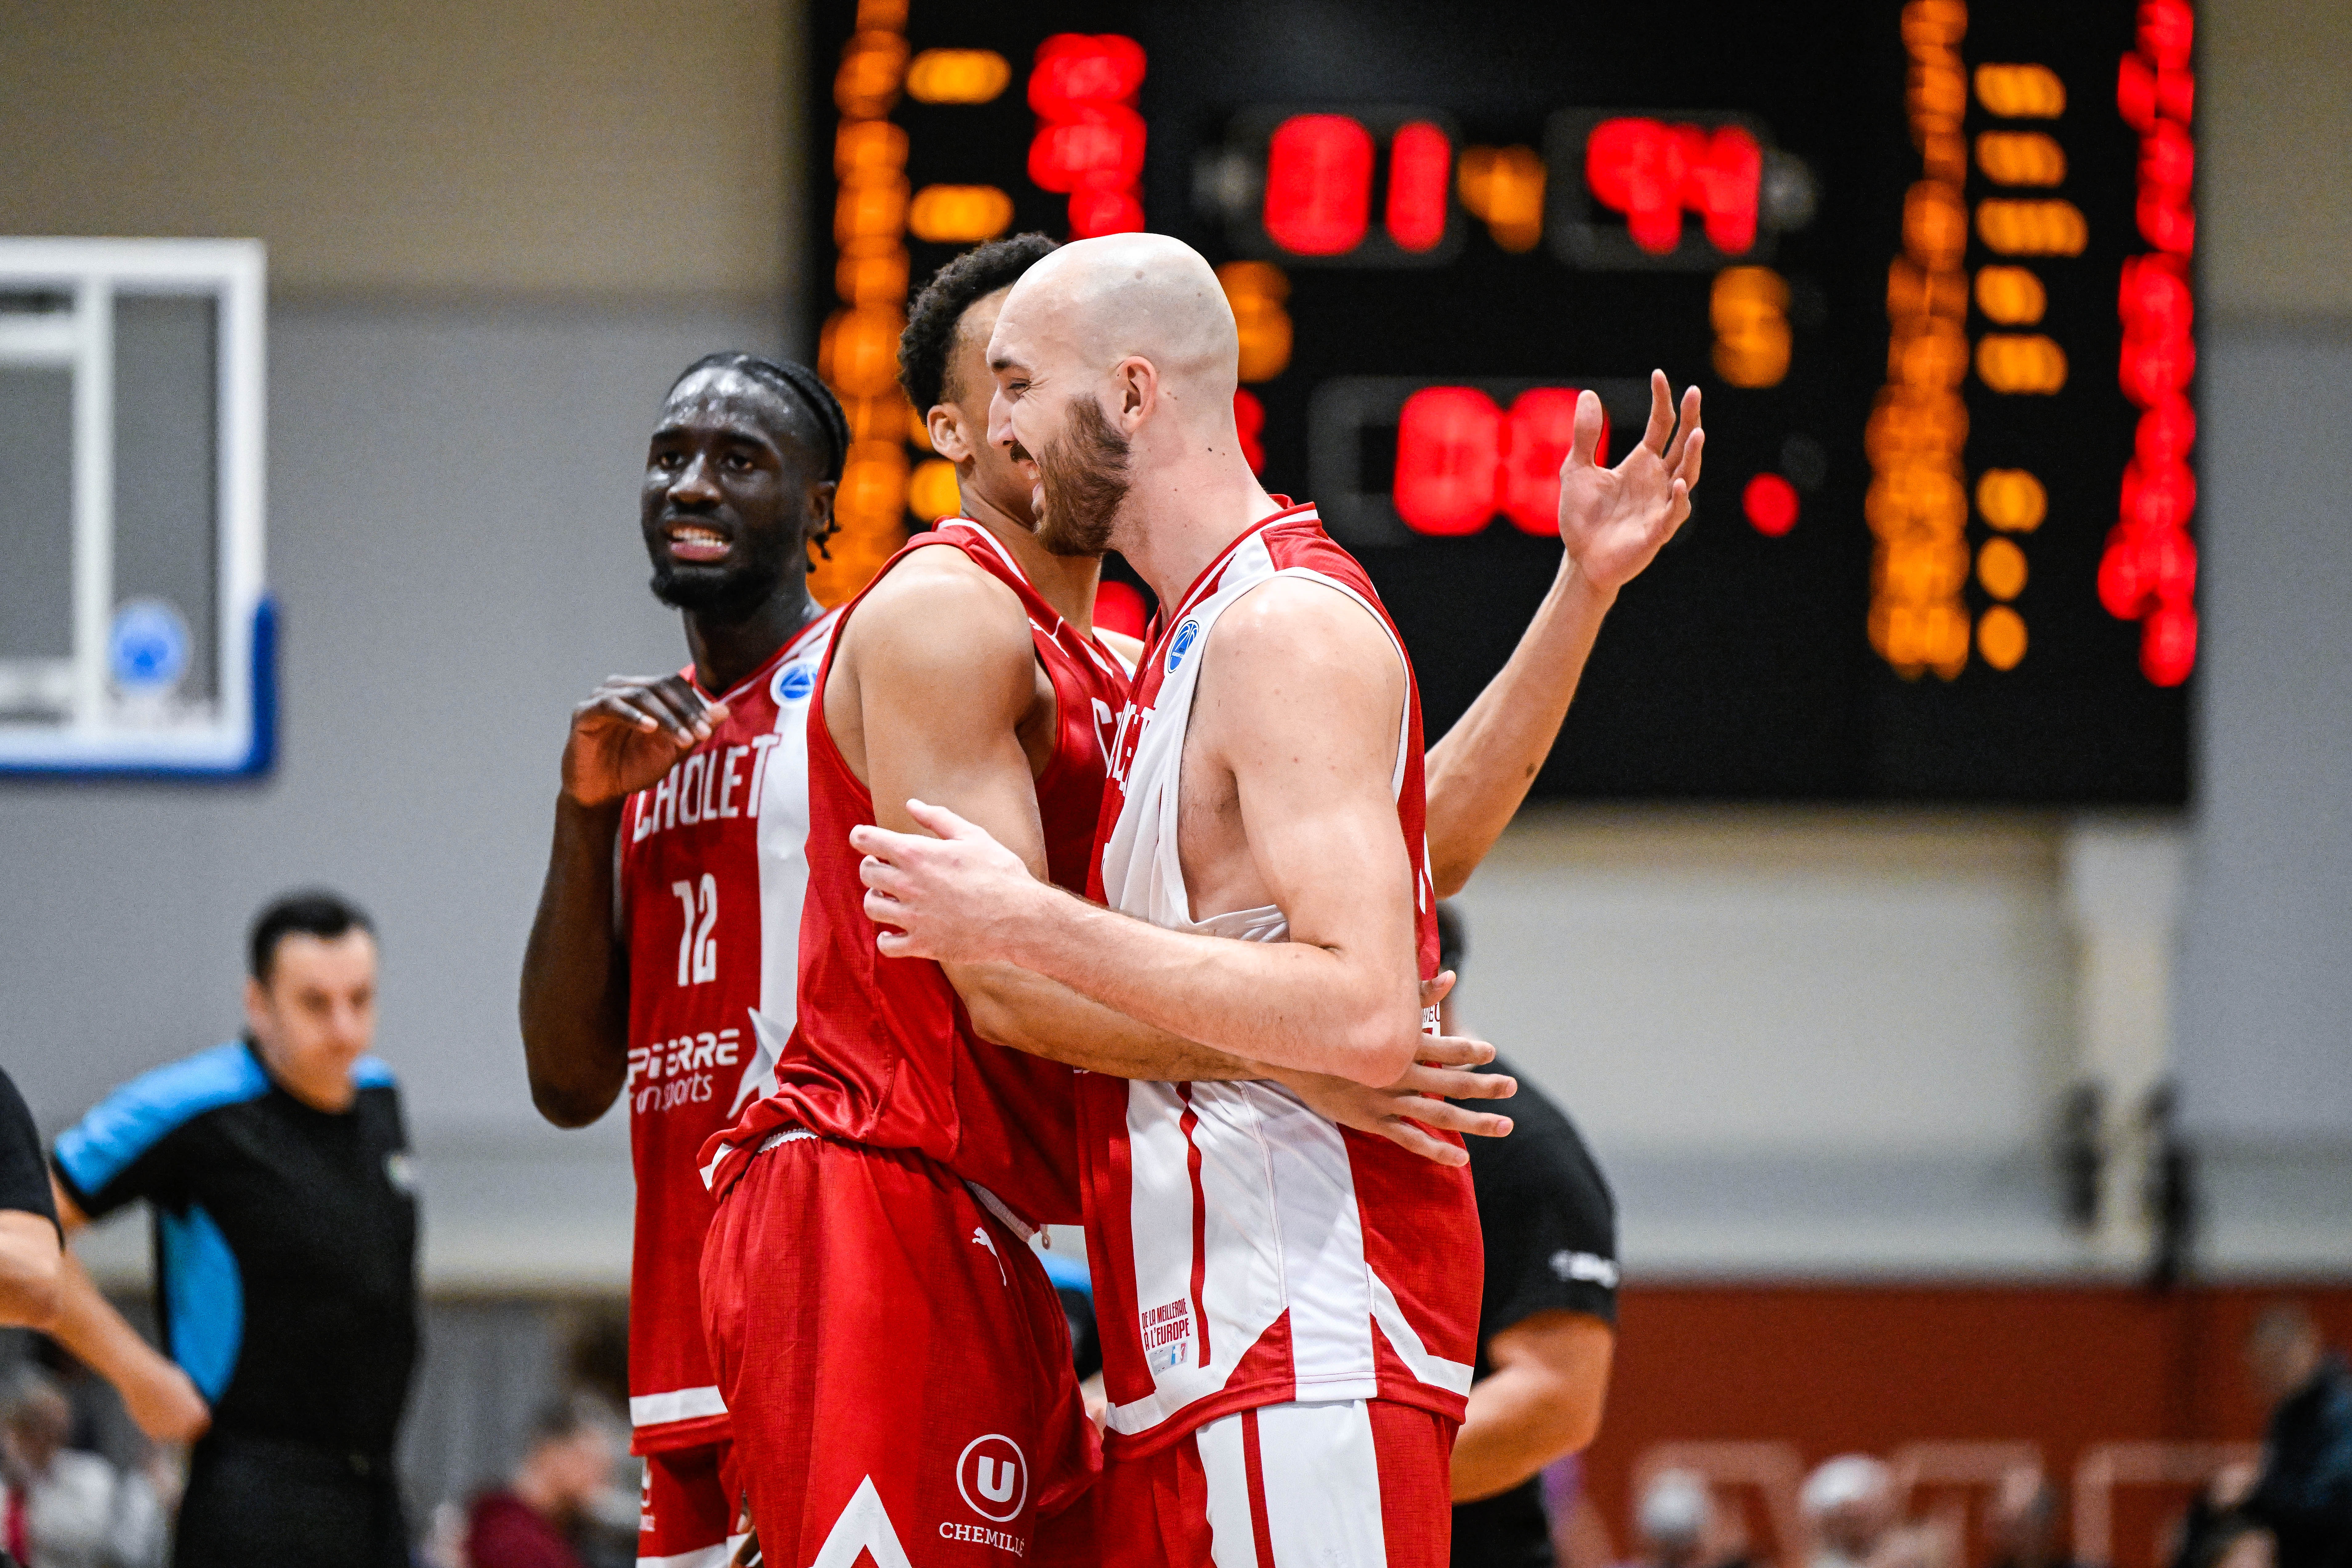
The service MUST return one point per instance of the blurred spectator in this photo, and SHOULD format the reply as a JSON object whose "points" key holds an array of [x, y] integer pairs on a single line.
{"points": [[2302, 1493], [1674, 1518], [1849, 1505], [528, 1523], [63, 1508], [2025, 1519]]}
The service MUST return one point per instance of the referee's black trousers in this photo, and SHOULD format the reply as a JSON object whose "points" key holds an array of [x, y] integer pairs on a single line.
{"points": [[263, 1503]]}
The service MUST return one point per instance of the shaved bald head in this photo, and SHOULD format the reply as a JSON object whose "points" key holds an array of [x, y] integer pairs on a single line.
{"points": [[1114, 358], [1141, 295]]}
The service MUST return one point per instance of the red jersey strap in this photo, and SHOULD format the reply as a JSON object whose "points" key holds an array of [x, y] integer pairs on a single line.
{"points": [[1202, 584]]}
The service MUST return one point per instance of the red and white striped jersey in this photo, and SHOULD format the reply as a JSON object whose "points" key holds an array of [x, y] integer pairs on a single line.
{"points": [[712, 874], [885, 1054], [1245, 1250]]}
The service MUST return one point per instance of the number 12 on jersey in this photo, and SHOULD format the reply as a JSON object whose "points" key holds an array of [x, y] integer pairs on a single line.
{"points": [[697, 948]]}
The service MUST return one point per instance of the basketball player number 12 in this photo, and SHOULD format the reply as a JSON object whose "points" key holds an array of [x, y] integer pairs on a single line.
{"points": [[697, 950]]}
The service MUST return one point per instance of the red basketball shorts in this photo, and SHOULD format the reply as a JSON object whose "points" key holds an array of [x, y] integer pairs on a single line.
{"points": [[896, 1367], [1348, 1484], [688, 1515]]}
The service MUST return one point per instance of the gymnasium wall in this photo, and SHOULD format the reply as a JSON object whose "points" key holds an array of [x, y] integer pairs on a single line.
{"points": [[1816, 1043], [2092, 1383]]}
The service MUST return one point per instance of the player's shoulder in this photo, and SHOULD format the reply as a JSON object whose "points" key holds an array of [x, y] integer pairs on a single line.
{"points": [[1301, 618], [940, 610], [149, 1109]]}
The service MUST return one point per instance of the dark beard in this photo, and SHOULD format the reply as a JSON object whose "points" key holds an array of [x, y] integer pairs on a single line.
{"points": [[1086, 479], [727, 593]]}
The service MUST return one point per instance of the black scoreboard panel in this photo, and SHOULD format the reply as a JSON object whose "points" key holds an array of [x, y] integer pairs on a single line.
{"points": [[1931, 264]]}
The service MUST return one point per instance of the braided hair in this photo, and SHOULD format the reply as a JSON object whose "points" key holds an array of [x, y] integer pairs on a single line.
{"points": [[796, 384]]}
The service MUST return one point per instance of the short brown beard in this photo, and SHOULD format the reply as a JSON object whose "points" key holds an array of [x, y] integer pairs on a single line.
{"points": [[1086, 479]]}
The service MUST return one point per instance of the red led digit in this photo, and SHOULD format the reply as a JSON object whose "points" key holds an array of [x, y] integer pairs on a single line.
{"points": [[1652, 172], [1075, 69], [2167, 28], [1722, 186], [1249, 420], [1102, 146], [2167, 644], [1421, 166], [1636, 167], [1536, 434], [1095, 211], [2166, 431], [1318, 184], [1449, 445], [2159, 498], [1770, 503]]}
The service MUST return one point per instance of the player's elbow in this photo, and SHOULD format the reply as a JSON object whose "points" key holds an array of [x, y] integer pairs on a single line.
{"points": [[1380, 1046], [568, 1105], [33, 1287], [1576, 1420]]}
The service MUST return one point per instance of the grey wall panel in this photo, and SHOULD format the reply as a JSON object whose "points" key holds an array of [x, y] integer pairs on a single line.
{"points": [[2265, 1003]]}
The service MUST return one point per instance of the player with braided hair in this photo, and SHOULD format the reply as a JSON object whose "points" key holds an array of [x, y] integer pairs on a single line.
{"points": [[662, 963]]}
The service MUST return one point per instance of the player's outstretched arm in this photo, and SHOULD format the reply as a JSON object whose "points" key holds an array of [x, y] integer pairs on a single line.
{"points": [[575, 971], [1298, 714], [1612, 523]]}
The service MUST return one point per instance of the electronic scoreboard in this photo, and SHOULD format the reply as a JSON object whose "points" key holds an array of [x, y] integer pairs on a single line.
{"points": [[1932, 263]]}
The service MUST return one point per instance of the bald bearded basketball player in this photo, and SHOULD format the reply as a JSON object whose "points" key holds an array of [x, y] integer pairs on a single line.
{"points": [[1288, 1308]]}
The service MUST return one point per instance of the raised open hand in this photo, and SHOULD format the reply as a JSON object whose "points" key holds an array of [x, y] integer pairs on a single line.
{"points": [[631, 732], [1614, 521]]}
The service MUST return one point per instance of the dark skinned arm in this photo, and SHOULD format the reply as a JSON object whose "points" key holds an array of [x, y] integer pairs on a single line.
{"points": [[575, 971]]}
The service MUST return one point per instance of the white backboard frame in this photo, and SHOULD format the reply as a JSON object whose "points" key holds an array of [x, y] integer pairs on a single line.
{"points": [[234, 734]]}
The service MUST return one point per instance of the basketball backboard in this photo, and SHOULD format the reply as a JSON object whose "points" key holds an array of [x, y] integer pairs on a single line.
{"points": [[135, 634]]}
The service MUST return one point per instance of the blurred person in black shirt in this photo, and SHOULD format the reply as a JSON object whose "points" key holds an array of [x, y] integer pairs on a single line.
{"points": [[1546, 1321], [277, 1173], [2302, 1492]]}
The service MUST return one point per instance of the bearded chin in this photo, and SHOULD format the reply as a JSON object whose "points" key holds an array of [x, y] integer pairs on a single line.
{"points": [[726, 596], [1084, 478]]}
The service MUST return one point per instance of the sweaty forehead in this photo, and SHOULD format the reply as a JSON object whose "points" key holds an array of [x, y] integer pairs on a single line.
{"points": [[729, 399]]}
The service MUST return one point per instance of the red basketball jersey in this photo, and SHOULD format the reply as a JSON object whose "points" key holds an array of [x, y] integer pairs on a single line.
{"points": [[1247, 1251], [884, 1053], [711, 879]]}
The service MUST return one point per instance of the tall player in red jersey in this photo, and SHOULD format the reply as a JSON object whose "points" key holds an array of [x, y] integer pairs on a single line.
{"points": [[663, 963], [892, 1355], [1287, 1308]]}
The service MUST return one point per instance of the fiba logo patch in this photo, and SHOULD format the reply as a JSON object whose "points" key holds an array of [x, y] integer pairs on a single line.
{"points": [[1186, 636], [793, 682], [993, 1478]]}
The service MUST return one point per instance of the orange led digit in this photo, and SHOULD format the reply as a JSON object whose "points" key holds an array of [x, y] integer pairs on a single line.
{"points": [[958, 76], [1503, 187], [2011, 296], [2020, 363], [2020, 92], [959, 214], [1255, 290]]}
